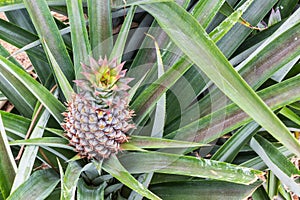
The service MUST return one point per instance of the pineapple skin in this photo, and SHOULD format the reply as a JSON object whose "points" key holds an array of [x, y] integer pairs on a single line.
{"points": [[98, 117]]}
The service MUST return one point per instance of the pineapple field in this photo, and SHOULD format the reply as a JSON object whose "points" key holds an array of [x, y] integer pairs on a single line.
{"points": [[149, 99]]}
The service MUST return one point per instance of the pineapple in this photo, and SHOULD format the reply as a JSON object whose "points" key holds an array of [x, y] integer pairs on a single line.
{"points": [[98, 117]]}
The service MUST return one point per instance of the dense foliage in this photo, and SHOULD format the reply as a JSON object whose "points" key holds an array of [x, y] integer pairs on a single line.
{"points": [[216, 97]]}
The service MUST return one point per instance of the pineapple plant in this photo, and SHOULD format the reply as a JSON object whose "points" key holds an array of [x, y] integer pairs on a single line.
{"points": [[98, 117], [236, 145]]}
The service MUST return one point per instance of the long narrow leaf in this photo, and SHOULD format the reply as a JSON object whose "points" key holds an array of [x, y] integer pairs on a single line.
{"points": [[79, 36], [10, 120], [69, 181], [146, 101], [290, 114], [230, 149], [119, 45], [100, 22], [8, 166], [114, 167], [30, 153], [228, 23], [239, 31], [279, 49], [88, 192], [208, 189], [45, 141], [276, 96], [218, 69], [17, 93], [153, 142], [54, 106], [142, 162], [258, 163], [42, 182], [48, 31], [61, 78], [19, 38], [277, 162]]}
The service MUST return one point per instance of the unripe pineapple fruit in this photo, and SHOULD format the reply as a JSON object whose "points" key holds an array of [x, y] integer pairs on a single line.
{"points": [[98, 117]]}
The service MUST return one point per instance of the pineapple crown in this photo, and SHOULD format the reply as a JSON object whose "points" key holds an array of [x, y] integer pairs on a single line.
{"points": [[102, 78]]}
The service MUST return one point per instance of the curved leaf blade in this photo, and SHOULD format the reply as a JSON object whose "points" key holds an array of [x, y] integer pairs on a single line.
{"points": [[49, 33], [87, 192], [69, 181], [8, 166], [45, 141], [42, 182], [277, 162], [276, 96], [209, 190], [145, 162], [153, 142], [61, 78], [193, 40], [100, 21], [30, 153], [79, 35], [54, 106], [119, 46], [114, 167]]}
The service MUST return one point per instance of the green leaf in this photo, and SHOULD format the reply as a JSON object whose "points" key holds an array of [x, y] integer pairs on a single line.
{"points": [[90, 192], [10, 120], [42, 182], [19, 38], [228, 151], [240, 32], [42, 68], [121, 4], [8, 166], [100, 27], [17, 93], [69, 181], [228, 23], [290, 115], [272, 185], [114, 167], [160, 111], [208, 190], [79, 35], [145, 162], [206, 10], [258, 163], [279, 49], [118, 48], [54, 106], [29, 156], [277, 162], [202, 51], [49, 34], [45, 141], [61, 78], [286, 194], [145, 102], [153, 142], [6, 54], [286, 7], [260, 194], [14, 90], [58, 132], [276, 96]]}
